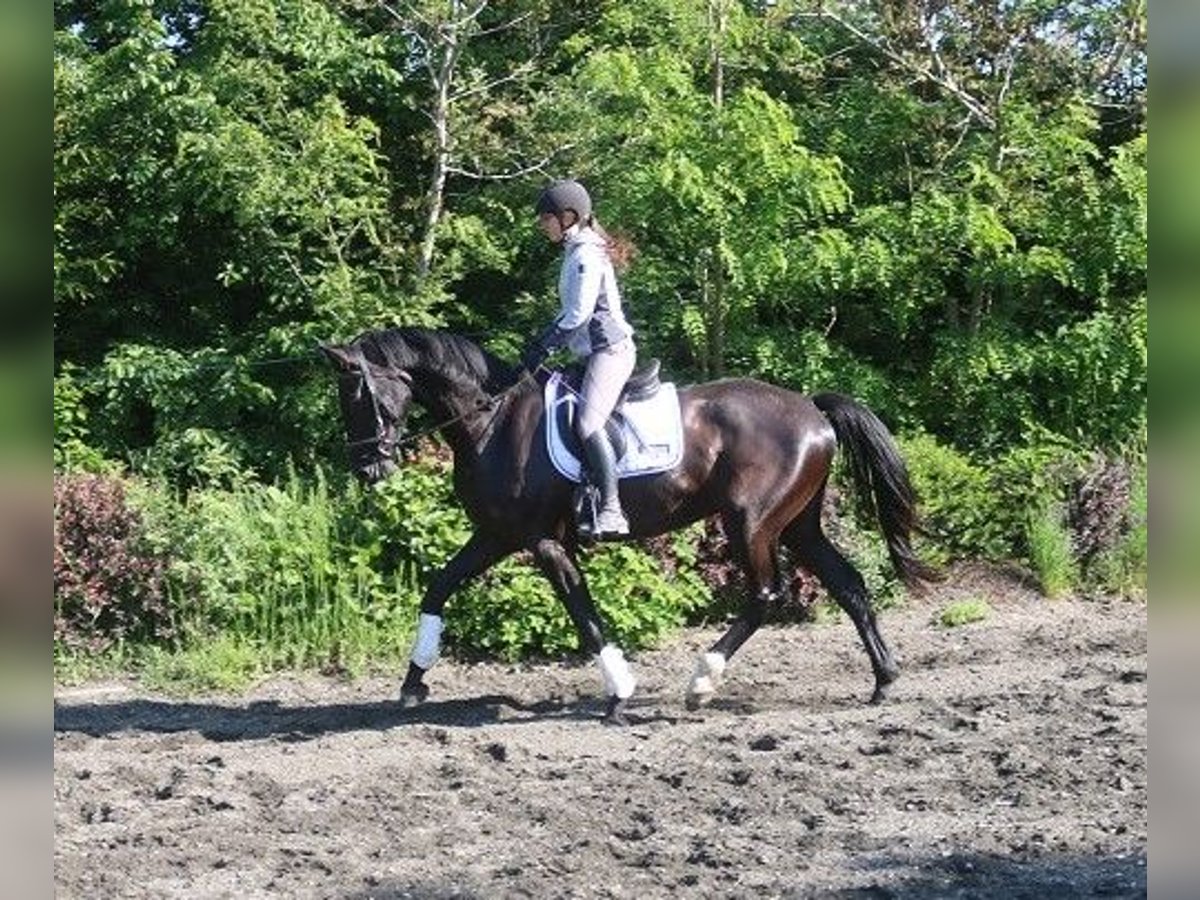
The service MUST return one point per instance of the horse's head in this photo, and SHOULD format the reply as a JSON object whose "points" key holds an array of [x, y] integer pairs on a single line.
{"points": [[375, 401]]}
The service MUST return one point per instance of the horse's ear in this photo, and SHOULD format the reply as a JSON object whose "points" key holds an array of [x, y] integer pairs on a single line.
{"points": [[342, 358]]}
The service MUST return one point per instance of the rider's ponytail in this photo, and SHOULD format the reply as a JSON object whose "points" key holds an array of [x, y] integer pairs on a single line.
{"points": [[621, 250]]}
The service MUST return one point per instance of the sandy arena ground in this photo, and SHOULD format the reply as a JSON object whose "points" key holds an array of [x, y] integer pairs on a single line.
{"points": [[1009, 761]]}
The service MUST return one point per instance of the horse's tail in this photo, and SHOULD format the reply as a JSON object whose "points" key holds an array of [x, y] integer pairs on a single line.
{"points": [[881, 479]]}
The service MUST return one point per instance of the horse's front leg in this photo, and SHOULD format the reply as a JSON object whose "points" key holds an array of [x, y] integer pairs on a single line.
{"points": [[477, 555], [563, 573]]}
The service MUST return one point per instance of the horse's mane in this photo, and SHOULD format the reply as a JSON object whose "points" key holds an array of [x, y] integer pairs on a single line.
{"points": [[454, 357]]}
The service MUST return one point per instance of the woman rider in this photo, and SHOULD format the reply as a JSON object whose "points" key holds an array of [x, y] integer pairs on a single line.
{"points": [[592, 326]]}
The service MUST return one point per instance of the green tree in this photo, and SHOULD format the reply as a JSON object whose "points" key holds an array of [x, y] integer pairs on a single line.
{"points": [[699, 162], [218, 199]]}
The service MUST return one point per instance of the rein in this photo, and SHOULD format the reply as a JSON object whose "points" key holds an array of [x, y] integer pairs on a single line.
{"points": [[387, 449], [480, 405]]}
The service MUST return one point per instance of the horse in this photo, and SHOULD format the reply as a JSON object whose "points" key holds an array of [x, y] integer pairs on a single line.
{"points": [[755, 455]]}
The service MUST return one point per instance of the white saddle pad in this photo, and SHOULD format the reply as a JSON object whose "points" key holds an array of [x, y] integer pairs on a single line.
{"points": [[653, 432]]}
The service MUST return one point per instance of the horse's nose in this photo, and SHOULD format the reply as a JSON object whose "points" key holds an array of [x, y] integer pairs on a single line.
{"points": [[376, 472]]}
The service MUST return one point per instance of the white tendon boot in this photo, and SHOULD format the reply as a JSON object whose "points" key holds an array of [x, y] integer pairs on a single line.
{"points": [[428, 645], [709, 669], [618, 677]]}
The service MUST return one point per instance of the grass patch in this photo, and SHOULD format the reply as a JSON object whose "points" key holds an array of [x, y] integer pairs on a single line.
{"points": [[73, 668], [1050, 552], [225, 664], [964, 612]]}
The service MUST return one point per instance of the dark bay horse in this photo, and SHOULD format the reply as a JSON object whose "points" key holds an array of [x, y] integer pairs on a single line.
{"points": [[756, 455]]}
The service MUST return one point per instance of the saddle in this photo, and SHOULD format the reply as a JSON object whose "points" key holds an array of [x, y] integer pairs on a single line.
{"points": [[642, 384], [645, 429]]}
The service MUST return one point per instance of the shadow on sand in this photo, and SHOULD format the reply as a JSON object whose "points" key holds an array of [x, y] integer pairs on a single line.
{"points": [[264, 719], [968, 876]]}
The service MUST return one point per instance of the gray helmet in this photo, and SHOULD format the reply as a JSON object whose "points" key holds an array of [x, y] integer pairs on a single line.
{"points": [[560, 196]]}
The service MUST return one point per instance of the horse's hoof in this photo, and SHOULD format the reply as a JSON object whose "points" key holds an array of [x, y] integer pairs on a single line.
{"points": [[881, 692], [414, 696], [615, 715], [696, 702]]}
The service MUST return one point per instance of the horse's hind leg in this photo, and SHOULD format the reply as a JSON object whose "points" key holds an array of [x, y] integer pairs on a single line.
{"points": [[815, 552], [759, 554]]}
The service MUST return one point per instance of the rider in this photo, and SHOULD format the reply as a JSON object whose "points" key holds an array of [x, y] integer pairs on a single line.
{"points": [[592, 326]]}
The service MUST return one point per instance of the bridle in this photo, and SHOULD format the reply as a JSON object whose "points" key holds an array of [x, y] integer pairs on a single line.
{"points": [[385, 444]]}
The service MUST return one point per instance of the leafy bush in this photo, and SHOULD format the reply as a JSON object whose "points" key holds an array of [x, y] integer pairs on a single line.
{"points": [[73, 448], [957, 504], [223, 662], [1077, 519], [194, 457], [1086, 382], [807, 361], [1108, 519], [974, 509], [314, 576], [414, 516], [222, 584], [109, 580]]}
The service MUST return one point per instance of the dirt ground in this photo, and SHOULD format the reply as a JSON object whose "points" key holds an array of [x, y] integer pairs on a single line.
{"points": [[1009, 761]]}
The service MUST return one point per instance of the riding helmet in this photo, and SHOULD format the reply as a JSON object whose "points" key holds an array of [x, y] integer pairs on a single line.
{"points": [[564, 195]]}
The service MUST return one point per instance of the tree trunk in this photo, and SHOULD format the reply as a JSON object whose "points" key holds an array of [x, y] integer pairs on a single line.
{"points": [[443, 79]]}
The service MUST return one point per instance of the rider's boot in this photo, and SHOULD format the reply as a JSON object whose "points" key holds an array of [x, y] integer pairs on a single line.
{"points": [[610, 520]]}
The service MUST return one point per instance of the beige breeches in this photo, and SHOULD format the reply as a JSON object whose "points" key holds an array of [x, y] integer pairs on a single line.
{"points": [[607, 372]]}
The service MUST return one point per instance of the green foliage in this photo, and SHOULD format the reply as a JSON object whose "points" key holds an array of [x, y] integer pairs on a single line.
{"points": [[1049, 542], [958, 506], [807, 361], [964, 612], [219, 197], [241, 180], [1087, 382], [1014, 507], [975, 509], [73, 449], [237, 181], [278, 568], [223, 662], [642, 595], [260, 577]]}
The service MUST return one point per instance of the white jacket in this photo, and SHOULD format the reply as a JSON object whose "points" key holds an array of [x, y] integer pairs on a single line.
{"points": [[591, 317]]}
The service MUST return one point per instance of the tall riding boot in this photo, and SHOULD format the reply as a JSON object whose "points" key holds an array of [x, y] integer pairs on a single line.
{"points": [[603, 465]]}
